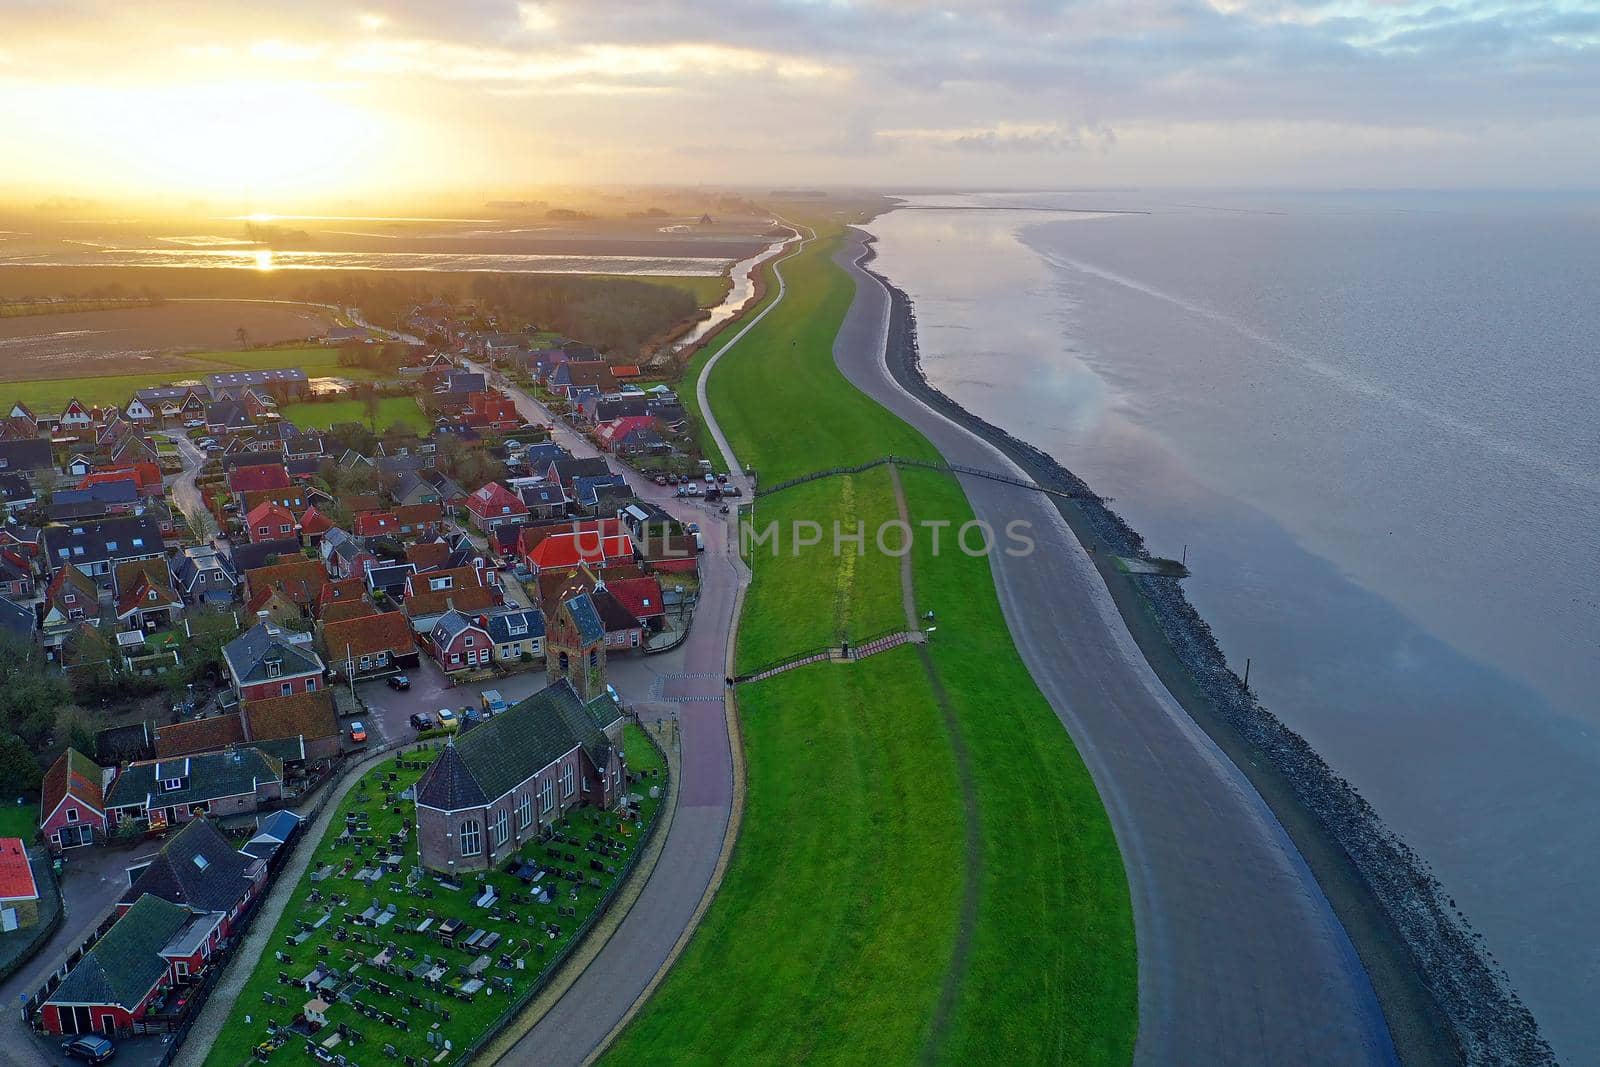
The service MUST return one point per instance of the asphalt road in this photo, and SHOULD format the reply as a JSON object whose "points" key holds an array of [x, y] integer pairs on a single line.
{"points": [[1241, 958], [684, 685]]}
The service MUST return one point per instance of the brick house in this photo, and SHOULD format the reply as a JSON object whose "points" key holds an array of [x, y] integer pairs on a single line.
{"points": [[262, 664], [166, 792], [309, 718], [72, 801], [494, 505], [198, 868], [517, 635], [428, 596], [269, 521], [501, 783], [460, 642], [375, 643]]}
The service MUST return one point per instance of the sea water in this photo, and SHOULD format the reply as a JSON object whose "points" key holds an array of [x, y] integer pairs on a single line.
{"points": [[1371, 424]]}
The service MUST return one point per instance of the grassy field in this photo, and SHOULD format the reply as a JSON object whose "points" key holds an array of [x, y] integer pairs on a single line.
{"points": [[524, 926], [924, 871], [392, 411], [50, 395], [19, 820], [707, 290]]}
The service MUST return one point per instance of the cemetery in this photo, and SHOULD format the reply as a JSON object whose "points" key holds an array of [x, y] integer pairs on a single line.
{"points": [[376, 960]]}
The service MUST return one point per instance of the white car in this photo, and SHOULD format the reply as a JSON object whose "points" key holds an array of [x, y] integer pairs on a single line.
{"points": [[194, 424]]}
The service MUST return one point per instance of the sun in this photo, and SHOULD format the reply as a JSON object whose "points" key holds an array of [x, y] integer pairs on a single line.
{"points": [[264, 258]]}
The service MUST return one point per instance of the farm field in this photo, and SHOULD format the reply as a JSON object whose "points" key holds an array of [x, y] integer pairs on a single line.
{"points": [[385, 966], [392, 411], [133, 340], [50, 395], [924, 871]]}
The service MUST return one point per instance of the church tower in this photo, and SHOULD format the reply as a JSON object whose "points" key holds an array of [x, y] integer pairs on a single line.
{"points": [[575, 646]]}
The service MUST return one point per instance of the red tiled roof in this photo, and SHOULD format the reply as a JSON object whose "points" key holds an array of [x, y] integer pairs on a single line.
{"points": [[307, 715], [138, 595], [201, 735], [625, 370], [641, 596], [495, 499], [302, 580], [16, 876], [468, 599], [314, 522], [428, 556], [384, 632], [530, 536], [340, 610], [373, 523], [271, 513], [415, 514], [260, 476], [568, 550]]}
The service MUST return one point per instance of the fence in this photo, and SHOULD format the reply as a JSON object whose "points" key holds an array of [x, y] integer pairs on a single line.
{"points": [[560, 959], [816, 655]]}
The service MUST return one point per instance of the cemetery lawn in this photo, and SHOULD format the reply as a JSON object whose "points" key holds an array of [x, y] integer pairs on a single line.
{"points": [[524, 929], [925, 872]]}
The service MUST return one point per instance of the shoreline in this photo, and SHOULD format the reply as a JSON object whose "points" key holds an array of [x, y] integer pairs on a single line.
{"points": [[1444, 999]]}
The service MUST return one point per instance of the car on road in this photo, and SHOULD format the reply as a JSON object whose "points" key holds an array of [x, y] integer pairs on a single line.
{"points": [[448, 720], [399, 681], [691, 527], [660, 479], [358, 733], [421, 720], [90, 1048]]}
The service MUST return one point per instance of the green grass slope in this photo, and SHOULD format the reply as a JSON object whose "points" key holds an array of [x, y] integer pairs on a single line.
{"points": [[925, 871]]}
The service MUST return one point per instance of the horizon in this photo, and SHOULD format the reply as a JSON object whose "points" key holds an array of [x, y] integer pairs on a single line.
{"points": [[386, 101]]}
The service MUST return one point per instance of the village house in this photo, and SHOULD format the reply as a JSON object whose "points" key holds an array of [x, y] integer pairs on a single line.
{"points": [[428, 596], [262, 664], [500, 784], [300, 580], [94, 501], [197, 868], [258, 476], [309, 718], [286, 382], [371, 644], [16, 575], [97, 547], [162, 793], [71, 599], [203, 575], [72, 802], [75, 416], [517, 636], [460, 642], [117, 981], [29, 457], [268, 521], [494, 505], [147, 603]]}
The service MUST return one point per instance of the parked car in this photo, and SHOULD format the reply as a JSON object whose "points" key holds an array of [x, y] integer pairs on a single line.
{"points": [[723, 478], [711, 479], [399, 681], [732, 490], [90, 1048], [448, 720], [358, 733], [421, 720], [195, 424], [691, 527], [493, 702], [611, 691], [660, 479]]}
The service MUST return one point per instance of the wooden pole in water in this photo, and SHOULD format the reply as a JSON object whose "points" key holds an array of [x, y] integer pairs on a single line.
{"points": [[1247, 673], [1185, 560]]}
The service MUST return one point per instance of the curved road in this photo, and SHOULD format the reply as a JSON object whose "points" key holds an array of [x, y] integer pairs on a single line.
{"points": [[1241, 959], [688, 687]]}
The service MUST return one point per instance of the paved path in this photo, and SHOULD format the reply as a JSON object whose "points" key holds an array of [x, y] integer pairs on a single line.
{"points": [[1241, 959], [693, 854]]}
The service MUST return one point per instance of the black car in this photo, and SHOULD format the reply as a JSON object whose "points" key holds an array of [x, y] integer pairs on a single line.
{"points": [[422, 721], [399, 681], [90, 1048]]}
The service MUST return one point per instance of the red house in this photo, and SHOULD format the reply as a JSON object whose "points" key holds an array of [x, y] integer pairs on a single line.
{"points": [[375, 524], [263, 664], [313, 524], [243, 480], [641, 597], [494, 505], [115, 983], [491, 410], [147, 476], [461, 642], [72, 801], [269, 521], [568, 550]]}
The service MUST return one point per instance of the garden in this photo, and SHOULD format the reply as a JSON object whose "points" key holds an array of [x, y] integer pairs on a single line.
{"points": [[376, 959]]}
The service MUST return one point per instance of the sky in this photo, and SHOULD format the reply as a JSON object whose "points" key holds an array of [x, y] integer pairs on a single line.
{"points": [[296, 100]]}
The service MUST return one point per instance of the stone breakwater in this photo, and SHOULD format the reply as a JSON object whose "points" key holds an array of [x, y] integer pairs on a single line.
{"points": [[1444, 996]]}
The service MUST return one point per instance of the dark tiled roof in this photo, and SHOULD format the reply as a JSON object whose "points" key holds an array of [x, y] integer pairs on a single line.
{"points": [[197, 868], [585, 617], [612, 612], [211, 775], [126, 964], [254, 556], [91, 541], [16, 619], [498, 755], [448, 784], [247, 655], [500, 626]]}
